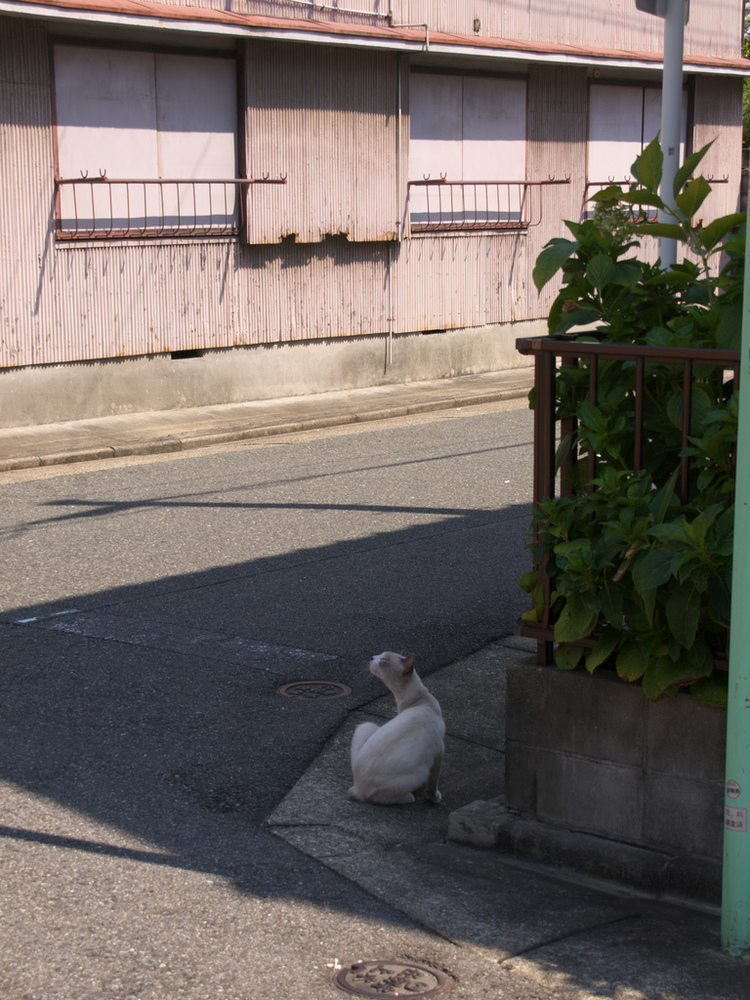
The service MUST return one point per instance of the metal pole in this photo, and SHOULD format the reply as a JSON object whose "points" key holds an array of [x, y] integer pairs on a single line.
{"points": [[735, 901], [671, 115]]}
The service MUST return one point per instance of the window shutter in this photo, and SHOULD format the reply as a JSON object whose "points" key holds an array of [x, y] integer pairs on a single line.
{"points": [[325, 119]]}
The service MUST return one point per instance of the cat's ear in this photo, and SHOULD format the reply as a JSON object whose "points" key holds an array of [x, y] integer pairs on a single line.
{"points": [[407, 664]]}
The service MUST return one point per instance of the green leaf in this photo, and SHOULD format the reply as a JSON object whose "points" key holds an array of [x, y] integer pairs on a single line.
{"points": [[551, 259], [683, 611], [687, 169], [576, 621], [667, 230], [600, 271], [568, 657], [662, 499], [653, 569], [691, 199], [631, 661], [627, 273], [612, 193], [663, 673], [700, 407], [712, 690], [648, 166], [605, 646], [641, 197], [715, 231], [591, 416], [729, 328]]}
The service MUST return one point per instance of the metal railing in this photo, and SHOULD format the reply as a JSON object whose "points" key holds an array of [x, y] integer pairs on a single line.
{"points": [[104, 207], [443, 205], [640, 213], [548, 481]]}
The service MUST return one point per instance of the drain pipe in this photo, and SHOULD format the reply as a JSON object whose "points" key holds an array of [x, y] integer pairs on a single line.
{"points": [[735, 898], [390, 305]]}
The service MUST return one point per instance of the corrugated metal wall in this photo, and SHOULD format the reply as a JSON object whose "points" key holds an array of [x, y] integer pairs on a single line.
{"points": [[326, 119], [717, 115], [26, 192], [715, 26], [71, 302], [557, 132]]}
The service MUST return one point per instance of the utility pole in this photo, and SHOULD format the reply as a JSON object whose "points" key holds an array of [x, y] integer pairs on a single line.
{"points": [[675, 14], [735, 897], [671, 115]]}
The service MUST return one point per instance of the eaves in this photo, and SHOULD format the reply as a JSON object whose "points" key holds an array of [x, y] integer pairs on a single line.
{"points": [[398, 38]]}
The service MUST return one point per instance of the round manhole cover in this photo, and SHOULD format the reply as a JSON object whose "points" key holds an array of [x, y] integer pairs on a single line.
{"points": [[314, 690], [391, 979]]}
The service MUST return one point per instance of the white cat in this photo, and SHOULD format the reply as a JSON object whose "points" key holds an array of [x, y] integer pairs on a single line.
{"points": [[390, 762]]}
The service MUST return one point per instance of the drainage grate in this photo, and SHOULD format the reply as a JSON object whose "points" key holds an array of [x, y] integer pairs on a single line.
{"points": [[314, 690], [391, 979]]}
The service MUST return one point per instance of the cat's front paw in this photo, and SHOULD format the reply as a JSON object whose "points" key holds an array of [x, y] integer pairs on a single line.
{"points": [[435, 796]]}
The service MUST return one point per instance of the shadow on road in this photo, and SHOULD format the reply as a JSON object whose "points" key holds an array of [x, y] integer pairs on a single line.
{"points": [[154, 709]]}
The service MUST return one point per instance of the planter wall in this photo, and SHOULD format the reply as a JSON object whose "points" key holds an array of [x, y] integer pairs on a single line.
{"points": [[594, 754]]}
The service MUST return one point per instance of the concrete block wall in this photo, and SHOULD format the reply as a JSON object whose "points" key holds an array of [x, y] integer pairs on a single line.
{"points": [[594, 754], [51, 393]]}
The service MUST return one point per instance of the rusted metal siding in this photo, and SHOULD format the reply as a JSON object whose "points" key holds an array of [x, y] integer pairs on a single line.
{"points": [[714, 29], [26, 192], [326, 120], [557, 121], [77, 302], [718, 116], [460, 281], [715, 26]]}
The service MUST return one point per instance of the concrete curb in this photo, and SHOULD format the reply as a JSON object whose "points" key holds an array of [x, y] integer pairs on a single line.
{"points": [[489, 824], [205, 439]]}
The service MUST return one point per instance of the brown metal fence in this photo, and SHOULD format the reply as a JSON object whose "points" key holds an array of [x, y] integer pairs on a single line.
{"points": [[550, 482]]}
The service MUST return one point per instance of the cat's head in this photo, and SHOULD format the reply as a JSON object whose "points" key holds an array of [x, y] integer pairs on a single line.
{"points": [[392, 668]]}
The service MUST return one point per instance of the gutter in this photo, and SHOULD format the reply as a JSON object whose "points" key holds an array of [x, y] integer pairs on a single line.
{"points": [[395, 38]]}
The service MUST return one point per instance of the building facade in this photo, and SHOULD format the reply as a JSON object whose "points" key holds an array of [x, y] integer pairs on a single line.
{"points": [[212, 202]]}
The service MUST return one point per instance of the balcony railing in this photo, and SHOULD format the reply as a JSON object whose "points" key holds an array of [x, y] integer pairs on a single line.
{"points": [[104, 207], [548, 483], [640, 213], [443, 205]]}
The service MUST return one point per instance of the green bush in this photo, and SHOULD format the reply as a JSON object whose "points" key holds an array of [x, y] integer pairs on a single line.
{"points": [[640, 580]]}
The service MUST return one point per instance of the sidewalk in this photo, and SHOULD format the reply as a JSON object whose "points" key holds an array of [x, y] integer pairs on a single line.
{"points": [[550, 933], [178, 430]]}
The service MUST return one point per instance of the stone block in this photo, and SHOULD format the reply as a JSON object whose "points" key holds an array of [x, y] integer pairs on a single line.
{"points": [[478, 823], [700, 752], [684, 814], [600, 717], [594, 754], [598, 796]]}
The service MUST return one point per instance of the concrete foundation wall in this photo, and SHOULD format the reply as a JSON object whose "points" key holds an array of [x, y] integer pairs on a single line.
{"points": [[52, 393], [596, 755]]}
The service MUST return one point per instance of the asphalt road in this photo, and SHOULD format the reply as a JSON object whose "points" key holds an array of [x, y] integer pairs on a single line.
{"points": [[149, 611]]}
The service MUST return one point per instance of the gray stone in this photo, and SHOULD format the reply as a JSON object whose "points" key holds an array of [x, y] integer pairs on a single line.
{"points": [[595, 754], [478, 824]]}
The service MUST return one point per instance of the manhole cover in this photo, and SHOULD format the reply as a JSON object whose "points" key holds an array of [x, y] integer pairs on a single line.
{"points": [[314, 690], [391, 979]]}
